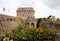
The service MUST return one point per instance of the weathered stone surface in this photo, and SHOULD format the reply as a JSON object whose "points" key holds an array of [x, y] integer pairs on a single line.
{"points": [[27, 15]]}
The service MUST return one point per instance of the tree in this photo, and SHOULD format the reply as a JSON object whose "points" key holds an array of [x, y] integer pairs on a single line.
{"points": [[38, 22], [49, 16]]}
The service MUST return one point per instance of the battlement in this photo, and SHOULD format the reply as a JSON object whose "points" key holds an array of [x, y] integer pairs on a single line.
{"points": [[25, 13], [25, 9]]}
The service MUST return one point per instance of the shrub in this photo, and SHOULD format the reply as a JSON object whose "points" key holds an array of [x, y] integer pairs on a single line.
{"points": [[33, 34], [17, 33], [40, 34]]}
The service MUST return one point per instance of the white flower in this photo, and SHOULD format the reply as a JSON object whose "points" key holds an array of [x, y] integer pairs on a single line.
{"points": [[7, 38], [4, 39], [11, 40]]}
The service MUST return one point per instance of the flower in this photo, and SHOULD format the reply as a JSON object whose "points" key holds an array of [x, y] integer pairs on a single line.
{"points": [[41, 30], [11, 40], [54, 30], [11, 31], [49, 32], [4, 39]]}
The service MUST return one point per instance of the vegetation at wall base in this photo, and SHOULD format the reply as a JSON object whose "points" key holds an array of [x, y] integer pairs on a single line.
{"points": [[32, 34]]}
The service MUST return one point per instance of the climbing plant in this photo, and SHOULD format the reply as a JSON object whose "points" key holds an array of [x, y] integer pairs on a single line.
{"points": [[38, 22]]}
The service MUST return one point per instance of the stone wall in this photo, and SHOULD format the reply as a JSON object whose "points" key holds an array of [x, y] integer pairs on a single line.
{"points": [[7, 22]]}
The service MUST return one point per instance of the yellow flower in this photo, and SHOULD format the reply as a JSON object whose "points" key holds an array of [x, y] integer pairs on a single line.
{"points": [[49, 32], [41, 30], [55, 30]]}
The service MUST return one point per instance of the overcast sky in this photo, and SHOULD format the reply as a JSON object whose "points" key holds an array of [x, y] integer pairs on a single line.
{"points": [[43, 8]]}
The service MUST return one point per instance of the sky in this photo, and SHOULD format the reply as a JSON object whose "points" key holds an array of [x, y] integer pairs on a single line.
{"points": [[43, 8]]}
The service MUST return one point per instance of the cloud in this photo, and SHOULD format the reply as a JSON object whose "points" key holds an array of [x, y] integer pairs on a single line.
{"points": [[25, 3], [10, 5], [43, 8], [52, 3]]}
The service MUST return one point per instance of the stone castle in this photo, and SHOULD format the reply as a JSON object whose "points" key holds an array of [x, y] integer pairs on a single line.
{"points": [[27, 16]]}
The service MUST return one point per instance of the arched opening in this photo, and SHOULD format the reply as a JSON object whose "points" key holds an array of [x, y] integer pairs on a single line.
{"points": [[28, 24], [11, 19], [32, 24], [7, 19]]}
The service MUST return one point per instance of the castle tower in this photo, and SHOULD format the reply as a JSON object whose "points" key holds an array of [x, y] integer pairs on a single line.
{"points": [[25, 13]]}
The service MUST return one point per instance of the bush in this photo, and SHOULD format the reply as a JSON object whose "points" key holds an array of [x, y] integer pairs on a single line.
{"points": [[40, 34], [17, 33], [33, 34]]}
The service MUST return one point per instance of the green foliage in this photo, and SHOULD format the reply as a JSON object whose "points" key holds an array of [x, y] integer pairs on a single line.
{"points": [[17, 33], [33, 34], [49, 16], [38, 22], [40, 34]]}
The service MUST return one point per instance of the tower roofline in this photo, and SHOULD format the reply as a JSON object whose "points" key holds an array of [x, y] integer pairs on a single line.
{"points": [[25, 8]]}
